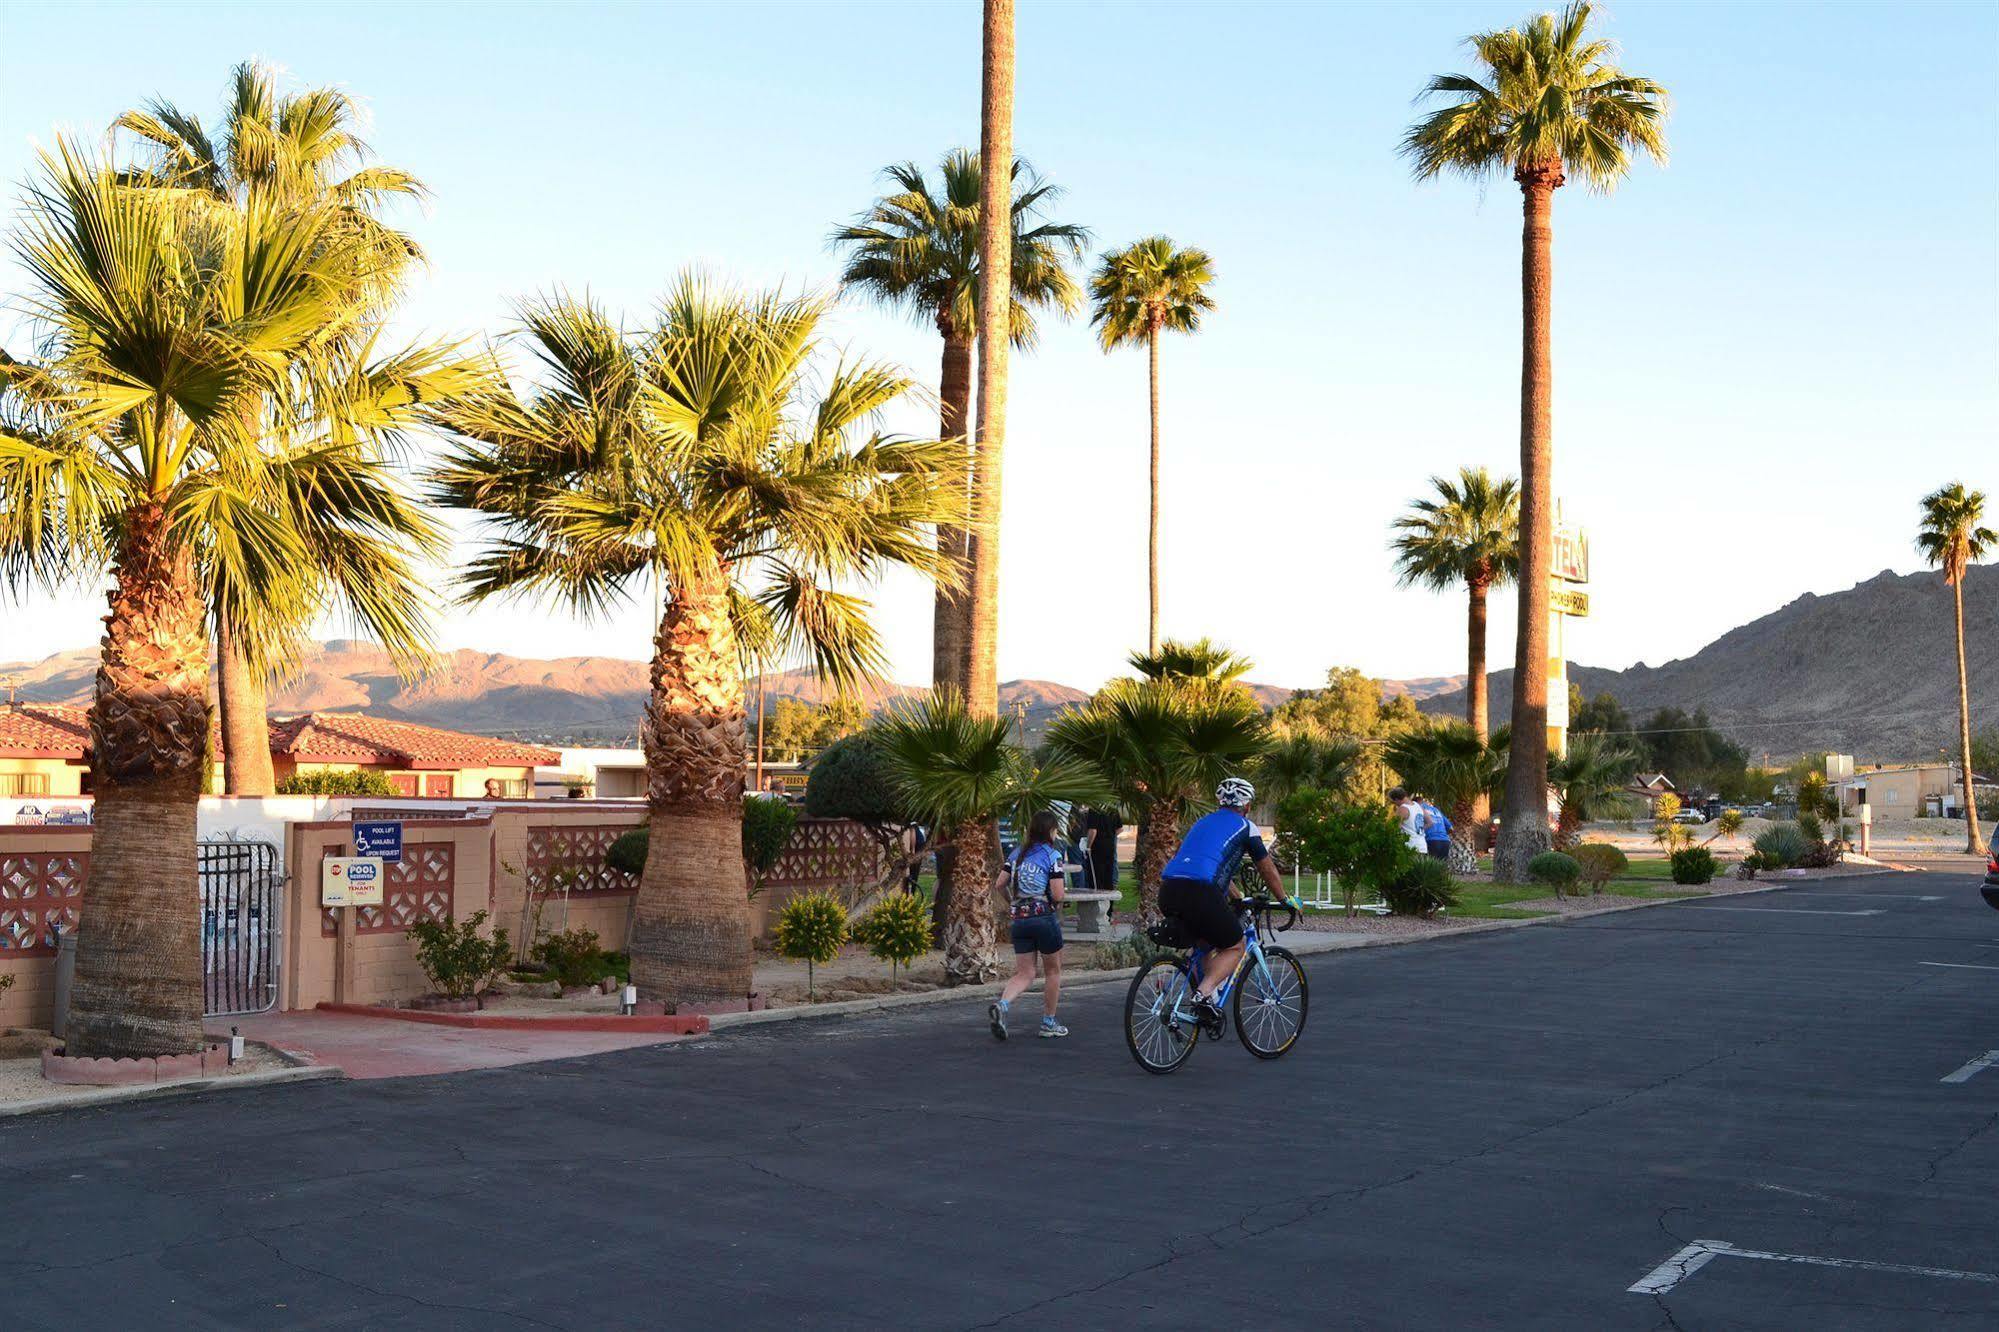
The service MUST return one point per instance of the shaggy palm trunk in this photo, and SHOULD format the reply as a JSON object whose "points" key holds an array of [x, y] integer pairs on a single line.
{"points": [[949, 661], [1478, 713], [138, 949], [691, 924], [972, 920], [1973, 843], [1158, 838], [1523, 832], [246, 736], [1464, 837], [1152, 527], [995, 310]]}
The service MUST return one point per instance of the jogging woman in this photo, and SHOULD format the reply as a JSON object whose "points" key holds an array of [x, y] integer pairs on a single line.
{"points": [[1035, 875]]}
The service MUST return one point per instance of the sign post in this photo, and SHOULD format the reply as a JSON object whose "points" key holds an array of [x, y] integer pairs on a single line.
{"points": [[347, 882], [1568, 572]]}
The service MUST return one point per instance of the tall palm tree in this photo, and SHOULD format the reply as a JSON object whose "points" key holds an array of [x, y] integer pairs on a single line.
{"points": [[1548, 102], [1149, 287], [917, 249], [1953, 536], [1452, 765], [995, 323], [958, 773], [1202, 659], [268, 148], [700, 454], [1163, 747], [135, 439], [1596, 768]]}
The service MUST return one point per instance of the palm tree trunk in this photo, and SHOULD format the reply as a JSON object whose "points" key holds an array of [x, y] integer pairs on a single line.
{"points": [[1158, 837], [1973, 843], [1464, 836], [971, 923], [1523, 834], [246, 734], [138, 951], [1152, 530], [995, 309], [1478, 712], [949, 660], [691, 925]]}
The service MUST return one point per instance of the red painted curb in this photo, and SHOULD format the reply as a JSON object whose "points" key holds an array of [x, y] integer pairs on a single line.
{"points": [[683, 1024]]}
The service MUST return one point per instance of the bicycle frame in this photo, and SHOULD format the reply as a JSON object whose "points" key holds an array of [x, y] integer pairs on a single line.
{"points": [[1252, 955]]}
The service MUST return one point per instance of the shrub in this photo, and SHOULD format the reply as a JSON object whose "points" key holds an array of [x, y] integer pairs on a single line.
{"points": [[767, 827], [852, 779], [334, 781], [627, 855], [812, 927], [456, 957], [1359, 845], [1134, 950], [6, 981], [1599, 863], [1693, 864], [1811, 826], [1420, 888], [1782, 846], [897, 931], [1557, 869], [1750, 865], [572, 957], [1664, 807]]}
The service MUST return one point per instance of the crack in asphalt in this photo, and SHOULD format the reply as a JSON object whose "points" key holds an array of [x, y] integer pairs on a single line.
{"points": [[1991, 1121], [417, 1300]]}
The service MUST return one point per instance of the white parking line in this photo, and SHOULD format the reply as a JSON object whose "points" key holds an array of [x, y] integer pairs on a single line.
{"points": [[1794, 911], [1702, 1252], [1896, 897], [1973, 1069], [1961, 966]]}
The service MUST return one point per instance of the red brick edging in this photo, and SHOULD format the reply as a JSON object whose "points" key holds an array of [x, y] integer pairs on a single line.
{"points": [[95, 1072], [678, 1024]]}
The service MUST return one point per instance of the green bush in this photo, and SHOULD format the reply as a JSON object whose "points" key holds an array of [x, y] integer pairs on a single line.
{"points": [[573, 957], [1811, 826], [335, 781], [457, 958], [1599, 862], [1782, 846], [627, 855], [1693, 864], [767, 828], [898, 929], [811, 927], [852, 779], [1421, 888], [1359, 845], [1556, 869], [1134, 950]]}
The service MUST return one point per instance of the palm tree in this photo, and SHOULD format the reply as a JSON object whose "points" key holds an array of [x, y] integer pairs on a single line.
{"points": [[917, 249], [1302, 761], [698, 453], [1149, 287], [1953, 537], [1596, 768], [1452, 765], [1163, 747], [1550, 103], [958, 773], [135, 440], [269, 149], [1203, 660]]}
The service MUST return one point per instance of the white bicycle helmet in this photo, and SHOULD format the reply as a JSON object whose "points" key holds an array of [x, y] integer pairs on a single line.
{"points": [[1235, 793]]}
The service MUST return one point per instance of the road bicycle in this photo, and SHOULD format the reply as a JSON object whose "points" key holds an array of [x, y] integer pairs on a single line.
{"points": [[1266, 995]]}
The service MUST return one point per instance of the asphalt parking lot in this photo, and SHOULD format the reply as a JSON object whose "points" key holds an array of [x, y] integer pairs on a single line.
{"points": [[1778, 1110]]}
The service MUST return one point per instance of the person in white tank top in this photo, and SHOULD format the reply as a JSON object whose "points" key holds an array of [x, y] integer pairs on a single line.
{"points": [[1409, 815]]}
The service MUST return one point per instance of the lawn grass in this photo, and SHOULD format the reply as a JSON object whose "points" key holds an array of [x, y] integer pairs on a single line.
{"points": [[1488, 901]]}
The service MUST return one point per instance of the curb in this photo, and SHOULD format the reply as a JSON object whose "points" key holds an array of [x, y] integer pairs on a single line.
{"points": [[153, 1091], [1303, 946], [690, 1024]]}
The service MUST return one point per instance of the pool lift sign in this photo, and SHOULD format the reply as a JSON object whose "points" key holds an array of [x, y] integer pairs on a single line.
{"points": [[350, 881]]}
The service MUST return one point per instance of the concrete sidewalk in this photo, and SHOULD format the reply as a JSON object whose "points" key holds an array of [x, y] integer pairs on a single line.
{"points": [[365, 1047]]}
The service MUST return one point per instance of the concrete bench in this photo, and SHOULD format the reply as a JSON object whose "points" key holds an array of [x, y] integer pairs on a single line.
{"points": [[1092, 915]]}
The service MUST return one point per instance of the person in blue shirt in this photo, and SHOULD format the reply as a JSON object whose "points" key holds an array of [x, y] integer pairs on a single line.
{"points": [[1034, 872], [1200, 879], [1436, 829]]}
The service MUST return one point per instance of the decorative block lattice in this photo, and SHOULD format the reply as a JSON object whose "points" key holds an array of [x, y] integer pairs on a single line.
{"points": [[41, 893], [827, 854], [576, 850], [417, 887]]}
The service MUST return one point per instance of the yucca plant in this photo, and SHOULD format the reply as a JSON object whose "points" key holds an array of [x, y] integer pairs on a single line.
{"points": [[962, 773]]}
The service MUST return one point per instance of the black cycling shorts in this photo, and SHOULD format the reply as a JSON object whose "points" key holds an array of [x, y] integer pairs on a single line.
{"points": [[1204, 909]]}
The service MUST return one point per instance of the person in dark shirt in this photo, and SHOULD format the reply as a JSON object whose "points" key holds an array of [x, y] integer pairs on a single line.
{"points": [[1100, 832]]}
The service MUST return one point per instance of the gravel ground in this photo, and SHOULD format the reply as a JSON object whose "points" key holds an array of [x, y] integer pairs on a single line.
{"points": [[21, 1079]]}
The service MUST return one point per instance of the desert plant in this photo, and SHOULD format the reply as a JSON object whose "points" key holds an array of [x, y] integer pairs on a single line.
{"points": [[1810, 824], [456, 957], [897, 931], [1422, 887], [1693, 865], [1728, 826], [1816, 797], [1671, 836], [767, 829], [337, 781], [1600, 862], [1665, 806], [1361, 846], [811, 927], [1589, 779], [572, 957], [1781, 846], [1751, 865], [1557, 869], [1134, 950]]}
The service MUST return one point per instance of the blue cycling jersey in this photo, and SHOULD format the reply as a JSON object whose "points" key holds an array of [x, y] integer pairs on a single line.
{"points": [[1213, 848]]}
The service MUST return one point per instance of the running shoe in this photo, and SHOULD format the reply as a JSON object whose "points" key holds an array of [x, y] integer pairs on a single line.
{"points": [[998, 1017], [1050, 1027]]}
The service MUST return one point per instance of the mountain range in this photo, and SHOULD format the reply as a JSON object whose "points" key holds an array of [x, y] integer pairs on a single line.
{"points": [[1868, 671]]}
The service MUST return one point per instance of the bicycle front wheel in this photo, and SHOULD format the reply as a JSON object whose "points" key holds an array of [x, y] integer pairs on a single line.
{"points": [[1159, 1040], [1270, 1011]]}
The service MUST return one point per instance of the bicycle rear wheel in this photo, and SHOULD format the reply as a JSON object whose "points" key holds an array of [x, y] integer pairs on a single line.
{"points": [[1158, 1041], [1270, 1014]]}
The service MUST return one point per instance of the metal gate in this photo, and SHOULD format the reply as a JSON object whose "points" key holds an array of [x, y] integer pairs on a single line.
{"points": [[241, 888]]}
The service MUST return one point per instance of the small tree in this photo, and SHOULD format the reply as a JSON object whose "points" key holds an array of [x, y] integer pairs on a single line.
{"points": [[853, 780], [1665, 806], [1671, 836], [1727, 827], [456, 956], [812, 926], [767, 828], [1359, 845], [897, 931]]}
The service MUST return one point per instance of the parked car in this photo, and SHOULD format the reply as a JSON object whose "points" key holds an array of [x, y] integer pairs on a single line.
{"points": [[1991, 889], [1690, 816]]}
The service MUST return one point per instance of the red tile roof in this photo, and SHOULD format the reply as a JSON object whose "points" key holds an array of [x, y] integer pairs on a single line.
{"points": [[43, 730], [53, 730]]}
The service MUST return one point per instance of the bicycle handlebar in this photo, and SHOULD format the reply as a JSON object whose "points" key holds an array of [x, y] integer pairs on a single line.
{"points": [[1263, 905]]}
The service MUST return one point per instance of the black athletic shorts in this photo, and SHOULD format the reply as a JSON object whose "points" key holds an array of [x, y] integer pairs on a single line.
{"points": [[1204, 908]]}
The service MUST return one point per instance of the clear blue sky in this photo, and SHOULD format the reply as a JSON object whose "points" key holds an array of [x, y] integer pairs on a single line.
{"points": [[1764, 353]]}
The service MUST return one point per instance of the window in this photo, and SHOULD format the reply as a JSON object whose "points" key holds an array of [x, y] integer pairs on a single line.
{"points": [[437, 784], [24, 783], [506, 788]]}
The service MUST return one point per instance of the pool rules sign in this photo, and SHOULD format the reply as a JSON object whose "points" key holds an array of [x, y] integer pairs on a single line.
{"points": [[350, 881]]}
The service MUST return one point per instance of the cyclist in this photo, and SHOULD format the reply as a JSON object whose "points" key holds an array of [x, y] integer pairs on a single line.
{"points": [[1200, 879]]}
